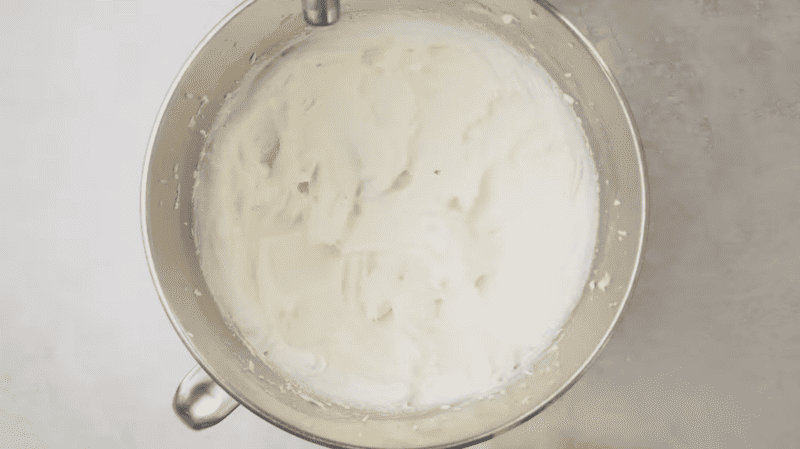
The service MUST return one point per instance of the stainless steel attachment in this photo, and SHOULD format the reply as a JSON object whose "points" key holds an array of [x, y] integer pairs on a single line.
{"points": [[321, 12]]}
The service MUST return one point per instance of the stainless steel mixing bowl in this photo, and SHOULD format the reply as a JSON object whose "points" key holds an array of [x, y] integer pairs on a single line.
{"points": [[228, 375]]}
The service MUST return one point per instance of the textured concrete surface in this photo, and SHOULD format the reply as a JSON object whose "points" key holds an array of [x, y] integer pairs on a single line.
{"points": [[708, 353], [706, 357]]}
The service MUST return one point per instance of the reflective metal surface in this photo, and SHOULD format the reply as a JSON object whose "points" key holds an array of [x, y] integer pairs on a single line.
{"points": [[199, 402], [258, 30], [321, 12]]}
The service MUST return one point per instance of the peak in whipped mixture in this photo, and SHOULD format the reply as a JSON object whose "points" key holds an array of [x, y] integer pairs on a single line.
{"points": [[401, 213]]}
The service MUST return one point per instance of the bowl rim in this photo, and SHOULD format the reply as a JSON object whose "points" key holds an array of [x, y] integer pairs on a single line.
{"points": [[641, 168]]}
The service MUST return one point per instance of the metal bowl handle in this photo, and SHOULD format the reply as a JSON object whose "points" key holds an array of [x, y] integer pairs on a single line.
{"points": [[199, 402]]}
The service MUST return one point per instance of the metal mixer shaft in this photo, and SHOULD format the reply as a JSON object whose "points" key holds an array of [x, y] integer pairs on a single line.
{"points": [[321, 12]]}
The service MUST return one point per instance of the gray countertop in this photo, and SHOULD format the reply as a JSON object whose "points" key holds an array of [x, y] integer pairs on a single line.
{"points": [[707, 355]]}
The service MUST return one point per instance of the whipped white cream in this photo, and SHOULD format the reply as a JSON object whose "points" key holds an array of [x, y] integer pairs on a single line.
{"points": [[402, 213]]}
